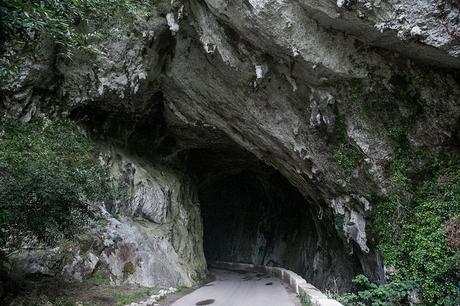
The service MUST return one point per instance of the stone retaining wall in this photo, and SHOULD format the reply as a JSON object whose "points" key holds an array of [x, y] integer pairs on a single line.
{"points": [[305, 290]]}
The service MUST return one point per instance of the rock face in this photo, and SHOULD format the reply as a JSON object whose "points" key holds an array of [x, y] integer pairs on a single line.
{"points": [[158, 239], [153, 238], [310, 89]]}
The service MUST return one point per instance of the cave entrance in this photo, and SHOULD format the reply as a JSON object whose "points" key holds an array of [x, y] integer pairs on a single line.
{"points": [[254, 217], [252, 214]]}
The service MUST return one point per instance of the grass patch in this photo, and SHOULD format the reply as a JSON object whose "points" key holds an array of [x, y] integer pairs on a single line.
{"points": [[130, 297], [181, 288], [44, 300], [98, 278], [94, 291]]}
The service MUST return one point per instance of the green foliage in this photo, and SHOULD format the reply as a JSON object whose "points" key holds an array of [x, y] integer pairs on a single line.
{"points": [[410, 225], [348, 159], [181, 288], [98, 278], [394, 293], [49, 177], [424, 193], [124, 298], [44, 300], [65, 21], [128, 269], [24, 21], [345, 155], [304, 302]]}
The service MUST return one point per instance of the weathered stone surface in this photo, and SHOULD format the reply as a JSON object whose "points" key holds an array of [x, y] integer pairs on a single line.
{"points": [[424, 30], [285, 116], [154, 238], [125, 68], [158, 239], [68, 261]]}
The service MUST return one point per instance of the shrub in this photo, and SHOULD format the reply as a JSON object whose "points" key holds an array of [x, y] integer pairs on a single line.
{"points": [[50, 178], [415, 223], [394, 293], [304, 302], [68, 24], [23, 21], [412, 226], [64, 20]]}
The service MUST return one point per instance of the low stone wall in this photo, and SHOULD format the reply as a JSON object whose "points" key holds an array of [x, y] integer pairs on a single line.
{"points": [[305, 290]]}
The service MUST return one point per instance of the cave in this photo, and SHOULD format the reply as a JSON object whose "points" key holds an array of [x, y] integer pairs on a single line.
{"points": [[252, 214]]}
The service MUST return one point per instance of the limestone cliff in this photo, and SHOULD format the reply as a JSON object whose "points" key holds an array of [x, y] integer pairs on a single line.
{"points": [[312, 90]]}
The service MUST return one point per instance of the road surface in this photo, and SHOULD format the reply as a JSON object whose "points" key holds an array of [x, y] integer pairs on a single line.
{"points": [[232, 288]]}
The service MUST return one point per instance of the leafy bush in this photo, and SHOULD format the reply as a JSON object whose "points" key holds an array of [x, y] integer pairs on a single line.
{"points": [[412, 222], [394, 293], [415, 222], [68, 25], [64, 20], [49, 178], [25, 20]]}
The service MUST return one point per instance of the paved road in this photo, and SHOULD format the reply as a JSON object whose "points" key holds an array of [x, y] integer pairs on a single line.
{"points": [[240, 289]]}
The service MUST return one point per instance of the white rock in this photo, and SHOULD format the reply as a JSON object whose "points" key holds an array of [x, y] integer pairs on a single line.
{"points": [[173, 25], [416, 31], [341, 3]]}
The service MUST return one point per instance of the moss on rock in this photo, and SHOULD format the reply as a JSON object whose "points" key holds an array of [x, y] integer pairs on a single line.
{"points": [[128, 269]]}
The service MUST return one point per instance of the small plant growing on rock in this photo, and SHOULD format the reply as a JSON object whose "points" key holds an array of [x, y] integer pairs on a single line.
{"points": [[128, 269], [304, 302], [345, 155]]}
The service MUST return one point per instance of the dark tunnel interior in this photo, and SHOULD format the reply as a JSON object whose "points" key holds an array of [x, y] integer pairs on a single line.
{"points": [[252, 214]]}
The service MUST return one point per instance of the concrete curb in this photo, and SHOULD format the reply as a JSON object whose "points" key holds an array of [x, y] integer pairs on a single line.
{"points": [[305, 290]]}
